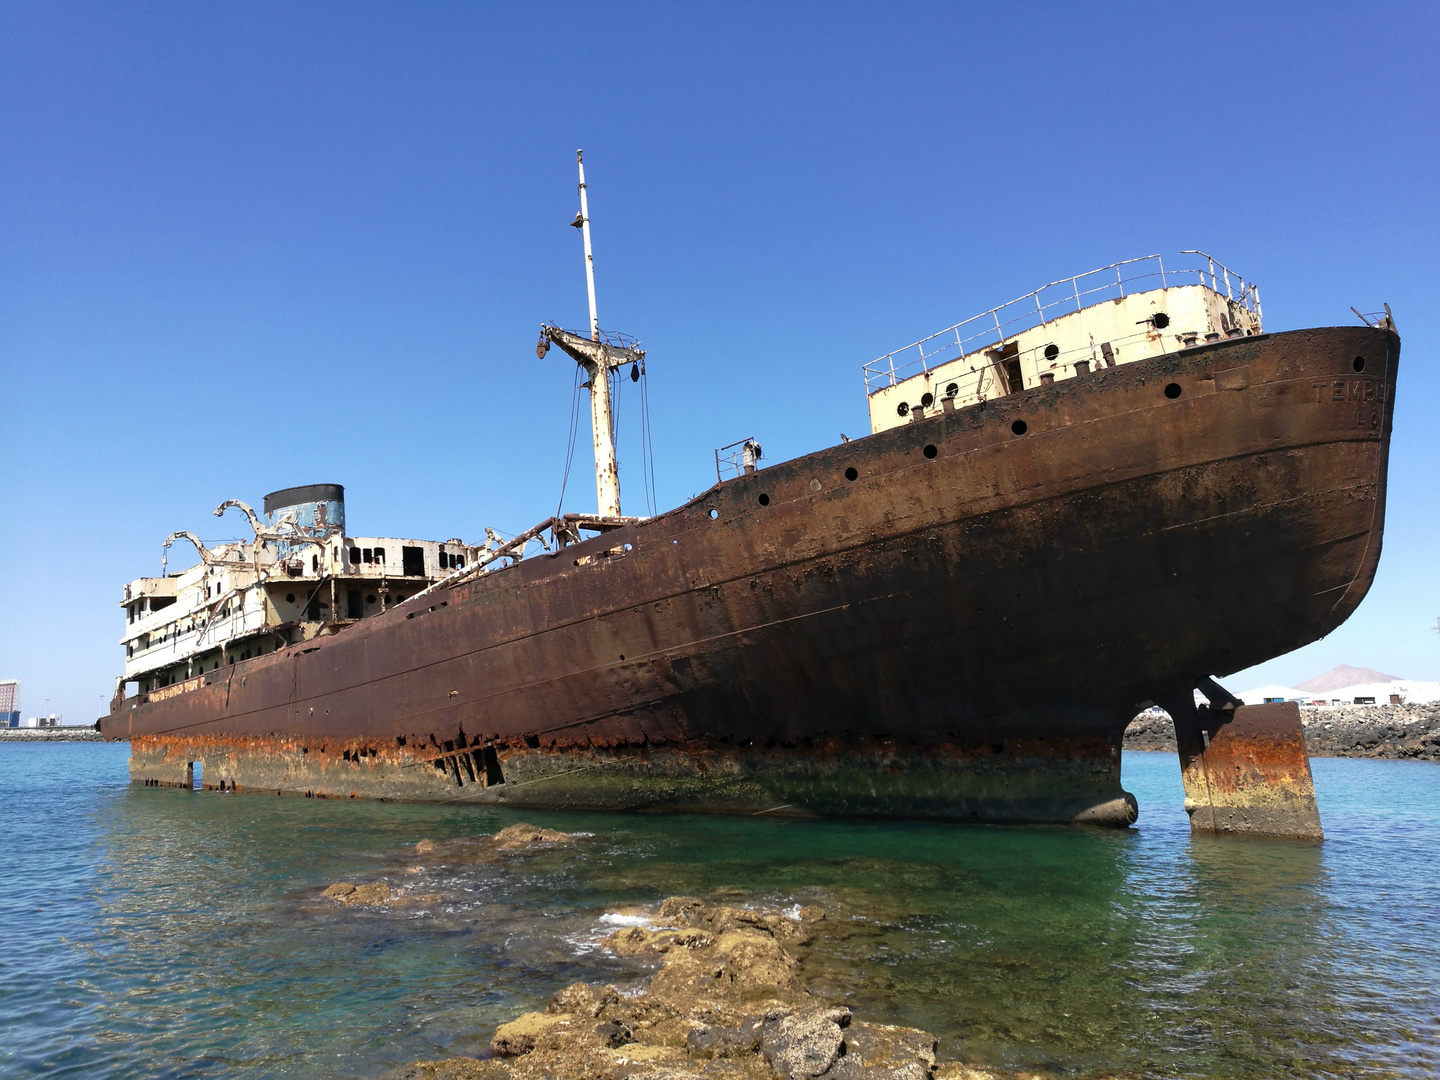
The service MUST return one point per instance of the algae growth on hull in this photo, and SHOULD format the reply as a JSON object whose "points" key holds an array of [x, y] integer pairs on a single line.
{"points": [[159, 933]]}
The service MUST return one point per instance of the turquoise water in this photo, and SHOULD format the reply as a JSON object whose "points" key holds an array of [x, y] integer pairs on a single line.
{"points": [[161, 933]]}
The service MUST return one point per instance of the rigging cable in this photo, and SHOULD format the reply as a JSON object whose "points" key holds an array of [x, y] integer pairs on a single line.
{"points": [[570, 448], [647, 446]]}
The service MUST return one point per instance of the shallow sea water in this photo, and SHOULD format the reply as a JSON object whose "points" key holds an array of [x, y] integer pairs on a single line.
{"points": [[158, 933]]}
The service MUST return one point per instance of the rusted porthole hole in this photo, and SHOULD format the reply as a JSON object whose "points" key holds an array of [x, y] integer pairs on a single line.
{"points": [[1172, 391], [1019, 427], [930, 450], [1359, 363], [851, 474], [764, 499], [714, 514], [1051, 352], [927, 399], [903, 408]]}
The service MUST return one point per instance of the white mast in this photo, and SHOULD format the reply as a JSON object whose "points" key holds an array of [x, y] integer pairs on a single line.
{"points": [[589, 256], [599, 359]]}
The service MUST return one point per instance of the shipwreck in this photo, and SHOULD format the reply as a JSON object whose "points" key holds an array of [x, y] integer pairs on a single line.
{"points": [[1087, 500]]}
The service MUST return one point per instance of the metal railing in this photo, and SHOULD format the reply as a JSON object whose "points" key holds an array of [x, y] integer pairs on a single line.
{"points": [[730, 461], [1050, 302]]}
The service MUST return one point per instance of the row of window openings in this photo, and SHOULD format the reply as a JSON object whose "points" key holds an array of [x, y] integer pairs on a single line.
{"points": [[414, 557]]}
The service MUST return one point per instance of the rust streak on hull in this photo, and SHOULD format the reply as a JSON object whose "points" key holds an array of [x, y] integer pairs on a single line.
{"points": [[970, 588]]}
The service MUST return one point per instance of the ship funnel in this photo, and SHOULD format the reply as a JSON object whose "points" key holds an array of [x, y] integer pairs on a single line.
{"points": [[310, 511]]}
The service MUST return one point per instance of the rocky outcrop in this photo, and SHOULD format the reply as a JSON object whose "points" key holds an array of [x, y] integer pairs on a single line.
{"points": [[725, 1004], [375, 893], [1371, 731], [523, 836]]}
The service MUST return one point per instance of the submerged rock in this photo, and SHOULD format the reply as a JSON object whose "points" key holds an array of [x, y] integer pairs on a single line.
{"points": [[375, 893], [523, 835]]}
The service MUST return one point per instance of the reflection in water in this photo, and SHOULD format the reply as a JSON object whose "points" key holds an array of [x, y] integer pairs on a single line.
{"points": [[185, 935]]}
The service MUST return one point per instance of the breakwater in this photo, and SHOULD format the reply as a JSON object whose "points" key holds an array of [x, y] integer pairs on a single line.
{"points": [[1399, 732], [55, 734]]}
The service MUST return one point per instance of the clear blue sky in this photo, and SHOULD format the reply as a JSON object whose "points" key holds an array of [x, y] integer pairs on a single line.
{"points": [[245, 246]]}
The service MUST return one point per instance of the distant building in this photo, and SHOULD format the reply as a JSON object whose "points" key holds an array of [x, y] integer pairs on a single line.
{"points": [[53, 720], [9, 693]]}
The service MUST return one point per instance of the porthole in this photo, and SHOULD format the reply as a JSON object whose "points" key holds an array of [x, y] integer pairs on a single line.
{"points": [[927, 399], [1051, 352], [289, 597], [930, 450], [764, 499], [1359, 363], [952, 389], [851, 474], [903, 408], [1173, 391], [815, 486], [370, 599], [1019, 427], [714, 514], [1160, 320]]}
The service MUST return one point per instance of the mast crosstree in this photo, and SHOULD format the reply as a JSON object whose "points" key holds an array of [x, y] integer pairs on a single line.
{"points": [[600, 355]]}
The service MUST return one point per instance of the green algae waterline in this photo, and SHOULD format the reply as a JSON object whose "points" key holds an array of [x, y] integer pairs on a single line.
{"points": [[160, 933]]}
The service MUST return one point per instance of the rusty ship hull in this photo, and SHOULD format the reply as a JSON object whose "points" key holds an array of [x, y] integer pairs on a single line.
{"points": [[955, 618]]}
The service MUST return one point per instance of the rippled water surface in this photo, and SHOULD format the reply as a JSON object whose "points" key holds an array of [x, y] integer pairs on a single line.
{"points": [[159, 933]]}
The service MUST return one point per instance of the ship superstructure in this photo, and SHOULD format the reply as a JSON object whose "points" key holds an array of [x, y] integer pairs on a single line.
{"points": [[1119, 314], [299, 577]]}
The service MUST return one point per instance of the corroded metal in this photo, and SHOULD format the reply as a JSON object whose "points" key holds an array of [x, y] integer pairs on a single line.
{"points": [[955, 617], [1246, 770]]}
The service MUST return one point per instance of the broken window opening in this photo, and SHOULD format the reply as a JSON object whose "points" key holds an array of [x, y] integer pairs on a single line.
{"points": [[412, 561], [369, 555], [354, 604], [195, 775], [379, 555]]}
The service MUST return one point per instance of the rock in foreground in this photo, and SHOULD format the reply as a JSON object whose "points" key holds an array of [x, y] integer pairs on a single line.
{"points": [[724, 1005]]}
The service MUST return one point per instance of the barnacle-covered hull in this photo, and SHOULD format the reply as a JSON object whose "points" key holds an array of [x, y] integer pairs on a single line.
{"points": [[954, 618]]}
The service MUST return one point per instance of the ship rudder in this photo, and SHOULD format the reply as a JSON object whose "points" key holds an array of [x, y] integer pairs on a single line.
{"points": [[1245, 768]]}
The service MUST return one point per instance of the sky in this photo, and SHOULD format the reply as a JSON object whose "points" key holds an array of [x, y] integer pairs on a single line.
{"points": [[246, 246]]}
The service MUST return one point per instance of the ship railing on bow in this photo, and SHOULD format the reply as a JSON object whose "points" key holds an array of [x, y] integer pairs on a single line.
{"points": [[1050, 302]]}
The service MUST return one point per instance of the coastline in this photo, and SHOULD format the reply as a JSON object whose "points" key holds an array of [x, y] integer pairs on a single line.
{"points": [[1394, 732]]}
